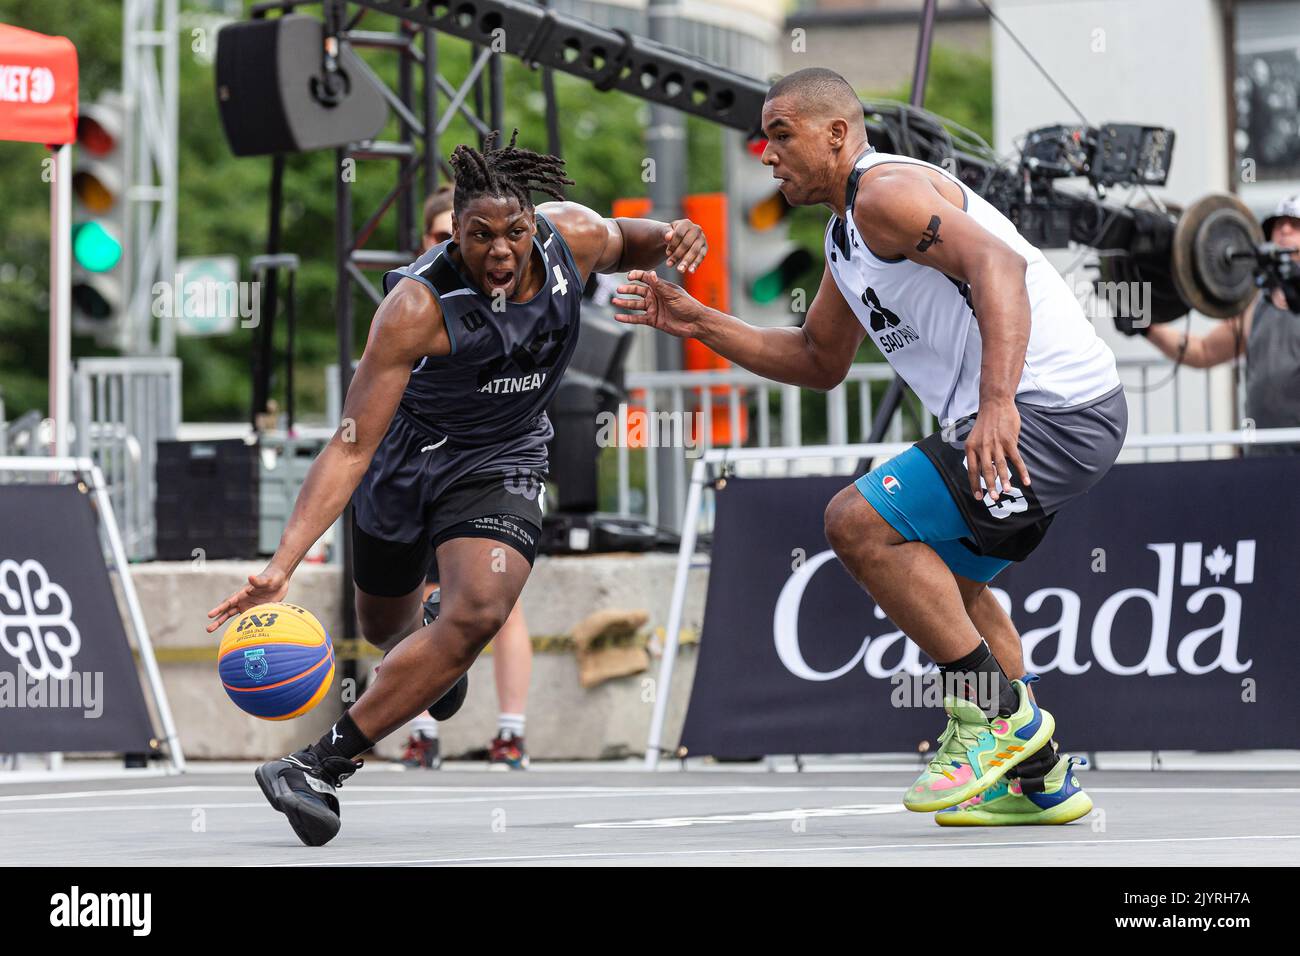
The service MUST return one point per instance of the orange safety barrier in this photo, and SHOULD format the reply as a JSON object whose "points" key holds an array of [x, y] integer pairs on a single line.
{"points": [[709, 285]]}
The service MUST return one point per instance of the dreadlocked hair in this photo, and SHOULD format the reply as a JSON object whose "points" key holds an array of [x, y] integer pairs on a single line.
{"points": [[507, 172]]}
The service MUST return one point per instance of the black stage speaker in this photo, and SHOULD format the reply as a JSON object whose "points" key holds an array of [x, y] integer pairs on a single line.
{"points": [[592, 383], [275, 96], [207, 499]]}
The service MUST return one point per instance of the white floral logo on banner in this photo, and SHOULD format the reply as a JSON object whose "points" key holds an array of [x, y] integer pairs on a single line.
{"points": [[36, 620]]}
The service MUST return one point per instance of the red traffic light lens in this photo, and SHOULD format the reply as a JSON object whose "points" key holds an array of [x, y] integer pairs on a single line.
{"points": [[93, 137]]}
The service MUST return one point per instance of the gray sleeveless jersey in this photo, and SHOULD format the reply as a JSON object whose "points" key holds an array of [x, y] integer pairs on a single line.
{"points": [[505, 366], [1273, 373]]}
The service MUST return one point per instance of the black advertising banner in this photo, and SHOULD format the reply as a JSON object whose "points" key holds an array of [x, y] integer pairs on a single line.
{"points": [[67, 678], [1160, 612]]}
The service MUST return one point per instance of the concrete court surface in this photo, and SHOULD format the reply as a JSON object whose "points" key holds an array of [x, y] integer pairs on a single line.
{"points": [[620, 815]]}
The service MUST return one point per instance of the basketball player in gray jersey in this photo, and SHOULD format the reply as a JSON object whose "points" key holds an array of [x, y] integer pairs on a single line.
{"points": [[443, 445]]}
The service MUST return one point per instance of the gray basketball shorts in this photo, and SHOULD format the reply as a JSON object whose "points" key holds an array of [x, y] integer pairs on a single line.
{"points": [[421, 490]]}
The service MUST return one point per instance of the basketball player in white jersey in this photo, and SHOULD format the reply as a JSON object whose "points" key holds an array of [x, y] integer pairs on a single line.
{"points": [[992, 340]]}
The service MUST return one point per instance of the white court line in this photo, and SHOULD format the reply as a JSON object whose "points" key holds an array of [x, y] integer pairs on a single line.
{"points": [[549, 792], [740, 851], [447, 801], [755, 816], [564, 791]]}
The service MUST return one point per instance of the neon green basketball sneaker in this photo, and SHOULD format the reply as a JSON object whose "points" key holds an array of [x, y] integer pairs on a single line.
{"points": [[974, 751], [1006, 804]]}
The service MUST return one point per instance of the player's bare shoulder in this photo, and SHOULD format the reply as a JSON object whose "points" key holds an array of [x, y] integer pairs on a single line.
{"points": [[409, 324], [899, 206], [585, 231]]}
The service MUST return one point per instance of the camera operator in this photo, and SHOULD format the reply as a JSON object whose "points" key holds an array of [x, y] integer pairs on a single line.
{"points": [[1270, 335]]}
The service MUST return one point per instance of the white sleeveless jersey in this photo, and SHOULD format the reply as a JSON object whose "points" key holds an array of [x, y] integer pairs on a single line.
{"points": [[923, 323]]}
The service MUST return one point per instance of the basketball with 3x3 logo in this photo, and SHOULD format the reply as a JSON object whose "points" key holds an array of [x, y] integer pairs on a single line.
{"points": [[276, 661]]}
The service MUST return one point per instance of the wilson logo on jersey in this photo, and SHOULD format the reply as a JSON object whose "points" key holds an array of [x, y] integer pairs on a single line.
{"points": [[891, 333], [473, 320]]}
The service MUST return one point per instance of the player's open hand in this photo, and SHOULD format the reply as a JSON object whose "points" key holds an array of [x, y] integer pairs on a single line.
{"points": [[657, 303], [991, 448], [684, 245], [265, 588]]}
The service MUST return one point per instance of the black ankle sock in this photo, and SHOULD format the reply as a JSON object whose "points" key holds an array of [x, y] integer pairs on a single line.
{"points": [[984, 678], [1037, 765], [341, 740]]}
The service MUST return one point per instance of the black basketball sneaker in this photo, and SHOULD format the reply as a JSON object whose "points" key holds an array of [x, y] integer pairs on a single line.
{"points": [[302, 787]]}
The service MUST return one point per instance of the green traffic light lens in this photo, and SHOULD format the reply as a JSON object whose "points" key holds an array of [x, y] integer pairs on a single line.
{"points": [[94, 247], [767, 287]]}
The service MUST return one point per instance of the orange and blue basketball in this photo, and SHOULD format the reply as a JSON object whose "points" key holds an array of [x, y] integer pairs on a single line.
{"points": [[276, 661]]}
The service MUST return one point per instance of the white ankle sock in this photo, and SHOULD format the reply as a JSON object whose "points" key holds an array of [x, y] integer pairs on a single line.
{"points": [[512, 722]]}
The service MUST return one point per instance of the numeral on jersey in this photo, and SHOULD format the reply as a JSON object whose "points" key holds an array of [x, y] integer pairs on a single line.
{"points": [[561, 283]]}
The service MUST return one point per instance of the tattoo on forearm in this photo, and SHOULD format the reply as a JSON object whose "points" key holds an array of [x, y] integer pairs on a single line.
{"points": [[930, 236]]}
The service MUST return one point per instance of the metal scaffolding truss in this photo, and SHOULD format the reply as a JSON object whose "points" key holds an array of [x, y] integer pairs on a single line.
{"points": [[609, 58], [150, 88]]}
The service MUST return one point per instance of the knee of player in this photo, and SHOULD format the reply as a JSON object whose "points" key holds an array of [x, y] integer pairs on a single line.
{"points": [[475, 619], [833, 524], [845, 531], [383, 633], [972, 594]]}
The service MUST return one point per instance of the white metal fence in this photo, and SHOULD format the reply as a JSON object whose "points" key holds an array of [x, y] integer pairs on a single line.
{"points": [[122, 408], [774, 416]]}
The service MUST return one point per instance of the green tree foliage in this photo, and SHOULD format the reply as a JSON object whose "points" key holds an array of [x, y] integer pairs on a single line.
{"points": [[96, 30], [223, 200]]}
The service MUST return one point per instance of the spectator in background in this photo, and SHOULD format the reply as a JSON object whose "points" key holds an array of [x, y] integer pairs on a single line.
{"points": [[1266, 331], [437, 217], [512, 650]]}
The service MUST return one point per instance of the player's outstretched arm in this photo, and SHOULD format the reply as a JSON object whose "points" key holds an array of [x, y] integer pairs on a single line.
{"points": [[815, 355], [611, 245], [399, 336]]}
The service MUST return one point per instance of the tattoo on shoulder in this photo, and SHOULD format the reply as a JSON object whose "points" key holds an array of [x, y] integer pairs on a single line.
{"points": [[930, 236]]}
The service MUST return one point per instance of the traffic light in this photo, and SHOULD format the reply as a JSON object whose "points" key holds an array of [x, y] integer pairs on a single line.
{"points": [[766, 263], [99, 221]]}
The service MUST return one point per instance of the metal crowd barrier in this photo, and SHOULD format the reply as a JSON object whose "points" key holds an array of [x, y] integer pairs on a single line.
{"points": [[23, 436], [122, 407], [666, 396]]}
